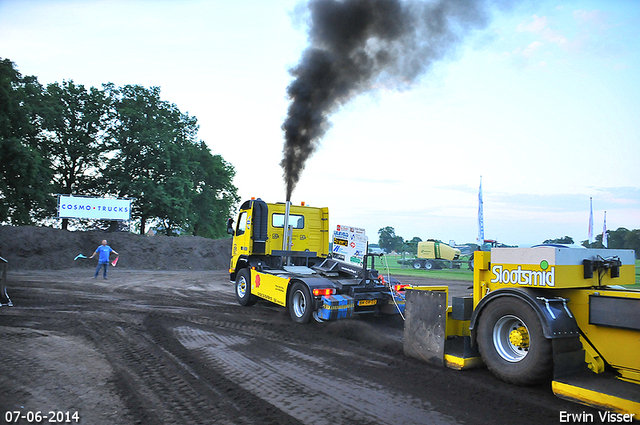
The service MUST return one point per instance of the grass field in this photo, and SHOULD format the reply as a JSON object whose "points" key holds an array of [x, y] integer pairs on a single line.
{"points": [[463, 273]]}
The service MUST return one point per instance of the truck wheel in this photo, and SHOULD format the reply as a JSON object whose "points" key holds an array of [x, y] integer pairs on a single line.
{"points": [[512, 344], [471, 262], [243, 288], [428, 265], [417, 265], [300, 303]]}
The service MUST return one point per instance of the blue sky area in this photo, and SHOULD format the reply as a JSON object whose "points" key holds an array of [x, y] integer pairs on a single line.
{"points": [[543, 102]]}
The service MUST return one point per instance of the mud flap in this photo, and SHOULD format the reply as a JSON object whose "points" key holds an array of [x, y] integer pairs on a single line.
{"points": [[425, 325]]}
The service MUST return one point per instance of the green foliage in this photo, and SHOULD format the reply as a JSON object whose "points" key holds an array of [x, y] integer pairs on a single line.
{"points": [[214, 193], [74, 123], [124, 142], [75, 127], [567, 240], [388, 240], [412, 245], [159, 161], [24, 175], [618, 239]]}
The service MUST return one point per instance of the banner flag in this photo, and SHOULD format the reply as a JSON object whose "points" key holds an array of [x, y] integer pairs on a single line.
{"points": [[480, 216], [590, 221], [604, 231]]}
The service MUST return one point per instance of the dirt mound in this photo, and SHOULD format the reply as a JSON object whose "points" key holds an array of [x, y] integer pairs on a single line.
{"points": [[32, 248]]}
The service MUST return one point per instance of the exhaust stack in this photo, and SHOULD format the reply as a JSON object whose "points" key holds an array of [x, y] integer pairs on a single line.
{"points": [[286, 231]]}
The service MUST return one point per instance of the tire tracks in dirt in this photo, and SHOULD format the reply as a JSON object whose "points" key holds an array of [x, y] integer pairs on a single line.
{"points": [[178, 349]]}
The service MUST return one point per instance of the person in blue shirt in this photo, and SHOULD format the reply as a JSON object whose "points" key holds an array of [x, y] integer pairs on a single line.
{"points": [[103, 252]]}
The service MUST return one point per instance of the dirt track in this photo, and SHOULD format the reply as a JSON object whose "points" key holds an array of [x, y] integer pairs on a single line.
{"points": [[165, 347]]}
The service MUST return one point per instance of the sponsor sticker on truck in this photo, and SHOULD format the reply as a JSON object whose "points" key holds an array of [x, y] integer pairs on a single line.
{"points": [[349, 244], [508, 274]]}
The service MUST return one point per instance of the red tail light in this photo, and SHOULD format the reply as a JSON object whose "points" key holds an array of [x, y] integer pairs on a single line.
{"points": [[324, 291]]}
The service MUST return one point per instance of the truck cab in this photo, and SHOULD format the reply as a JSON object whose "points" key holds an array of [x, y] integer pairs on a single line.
{"points": [[280, 253], [259, 236]]}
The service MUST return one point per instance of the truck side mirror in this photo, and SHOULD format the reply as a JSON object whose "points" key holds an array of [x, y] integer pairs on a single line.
{"points": [[230, 227]]}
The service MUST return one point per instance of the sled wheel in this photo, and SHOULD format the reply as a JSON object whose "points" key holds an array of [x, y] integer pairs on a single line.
{"points": [[300, 303], [428, 265], [243, 288], [417, 265], [512, 344]]}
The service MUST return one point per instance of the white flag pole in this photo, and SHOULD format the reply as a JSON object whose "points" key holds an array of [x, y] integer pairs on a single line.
{"points": [[480, 216], [590, 220], [605, 242]]}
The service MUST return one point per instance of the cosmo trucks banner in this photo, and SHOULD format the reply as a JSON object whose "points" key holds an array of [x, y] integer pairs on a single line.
{"points": [[94, 208]]}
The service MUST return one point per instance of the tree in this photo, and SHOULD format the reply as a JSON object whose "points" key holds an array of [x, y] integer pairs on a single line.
{"points": [[25, 193], [620, 238], [412, 245], [215, 195], [632, 241], [388, 240], [75, 127], [567, 240], [616, 239], [159, 162]]}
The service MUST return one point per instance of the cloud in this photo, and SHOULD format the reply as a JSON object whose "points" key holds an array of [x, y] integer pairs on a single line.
{"points": [[594, 18], [538, 24], [554, 37], [530, 50]]}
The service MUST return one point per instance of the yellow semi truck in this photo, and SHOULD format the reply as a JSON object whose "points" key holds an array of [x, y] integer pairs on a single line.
{"points": [[280, 253], [547, 313]]}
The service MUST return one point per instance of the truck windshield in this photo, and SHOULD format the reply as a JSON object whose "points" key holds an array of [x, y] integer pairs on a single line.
{"points": [[295, 221]]}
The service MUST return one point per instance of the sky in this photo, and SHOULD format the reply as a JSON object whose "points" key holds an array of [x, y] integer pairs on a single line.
{"points": [[542, 104]]}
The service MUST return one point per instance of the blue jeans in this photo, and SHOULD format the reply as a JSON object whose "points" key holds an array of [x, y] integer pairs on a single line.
{"points": [[106, 266]]}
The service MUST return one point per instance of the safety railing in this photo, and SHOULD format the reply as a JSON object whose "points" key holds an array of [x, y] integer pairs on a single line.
{"points": [[4, 297]]}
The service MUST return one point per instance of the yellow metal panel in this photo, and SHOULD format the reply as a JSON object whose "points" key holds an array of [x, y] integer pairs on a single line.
{"points": [[618, 347], [462, 363], [597, 399], [592, 357], [552, 267], [457, 327], [313, 237], [432, 288], [269, 287], [481, 277]]}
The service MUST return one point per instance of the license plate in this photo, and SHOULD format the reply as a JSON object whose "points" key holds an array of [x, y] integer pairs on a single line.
{"points": [[367, 302]]}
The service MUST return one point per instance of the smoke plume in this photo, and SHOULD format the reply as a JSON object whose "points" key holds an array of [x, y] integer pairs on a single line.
{"points": [[355, 45]]}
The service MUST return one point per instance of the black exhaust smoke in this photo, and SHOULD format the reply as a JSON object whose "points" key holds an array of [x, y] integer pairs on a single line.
{"points": [[355, 45]]}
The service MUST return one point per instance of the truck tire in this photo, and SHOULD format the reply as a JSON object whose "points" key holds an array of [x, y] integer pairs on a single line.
{"points": [[417, 265], [428, 265], [300, 303], [243, 288], [471, 262], [512, 344]]}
